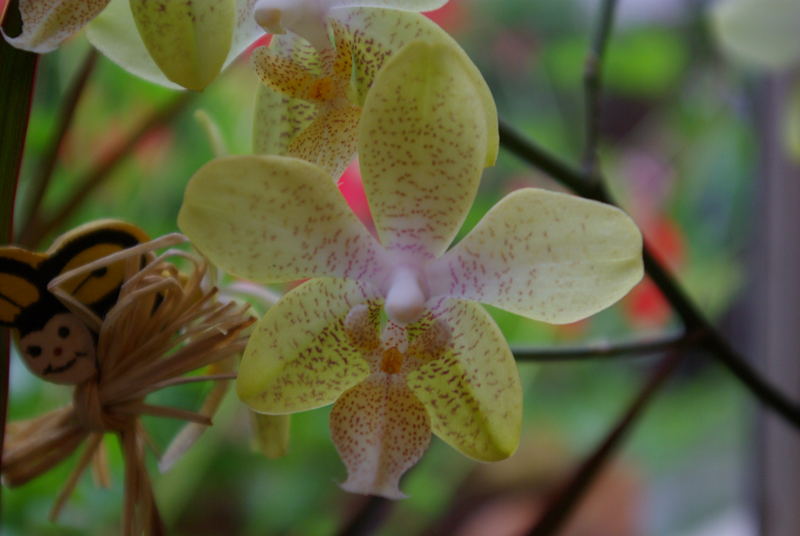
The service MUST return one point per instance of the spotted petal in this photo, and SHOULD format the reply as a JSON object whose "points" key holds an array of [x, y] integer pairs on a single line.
{"points": [[376, 34], [48, 23], [189, 40], [408, 5], [299, 356], [422, 145], [114, 33], [380, 430], [545, 255], [275, 218], [279, 120], [471, 389]]}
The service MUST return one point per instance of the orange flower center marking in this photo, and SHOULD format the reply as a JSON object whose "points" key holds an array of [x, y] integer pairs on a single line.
{"points": [[324, 89], [392, 361]]}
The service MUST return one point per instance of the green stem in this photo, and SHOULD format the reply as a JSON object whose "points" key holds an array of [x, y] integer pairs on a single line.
{"points": [[18, 72]]}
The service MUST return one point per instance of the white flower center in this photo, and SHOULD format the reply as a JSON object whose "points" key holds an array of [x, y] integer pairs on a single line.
{"points": [[305, 18]]}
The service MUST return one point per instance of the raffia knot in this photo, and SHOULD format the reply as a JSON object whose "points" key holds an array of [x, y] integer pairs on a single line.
{"points": [[93, 414]]}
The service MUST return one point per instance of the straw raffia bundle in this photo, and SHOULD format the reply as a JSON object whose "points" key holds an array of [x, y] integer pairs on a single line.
{"points": [[164, 325]]}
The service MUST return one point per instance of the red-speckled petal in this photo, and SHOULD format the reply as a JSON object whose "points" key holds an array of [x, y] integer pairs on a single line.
{"points": [[275, 218], [278, 121], [48, 23], [545, 255], [303, 109], [422, 146], [471, 390], [375, 34], [330, 140], [300, 355], [289, 76], [380, 430]]}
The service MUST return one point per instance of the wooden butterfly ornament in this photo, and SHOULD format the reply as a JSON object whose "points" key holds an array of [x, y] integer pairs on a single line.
{"points": [[56, 343], [101, 311]]}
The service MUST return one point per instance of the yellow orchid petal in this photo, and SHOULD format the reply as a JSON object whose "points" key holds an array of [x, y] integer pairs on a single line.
{"points": [[302, 109], [329, 141], [278, 120], [471, 389], [380, 430], [290, 76], [545, 255], [408, 5], [422, 145], [48, 23], [375, 34], [299, 356], [188, 39], [114, 33], [275, 218]]}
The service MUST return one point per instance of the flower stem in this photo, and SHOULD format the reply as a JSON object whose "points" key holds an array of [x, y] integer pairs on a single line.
{"points": [[18, 72]]}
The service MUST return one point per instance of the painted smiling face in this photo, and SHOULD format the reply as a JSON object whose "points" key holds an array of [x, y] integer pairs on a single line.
{"points": [[61, 352], [55, 343]]}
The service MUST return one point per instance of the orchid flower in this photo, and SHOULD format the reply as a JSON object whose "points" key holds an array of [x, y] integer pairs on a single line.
{"points": [[439, 364], [173, 43], [317, 74]]}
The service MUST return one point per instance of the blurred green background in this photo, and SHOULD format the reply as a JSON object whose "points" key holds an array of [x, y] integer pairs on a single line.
{"points": [[679, 147]]}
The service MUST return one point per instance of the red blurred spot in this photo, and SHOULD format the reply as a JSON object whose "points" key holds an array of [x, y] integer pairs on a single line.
{"points": [[666, 240], [353, 191], [262, 41], [452, 16], [645, 306]]}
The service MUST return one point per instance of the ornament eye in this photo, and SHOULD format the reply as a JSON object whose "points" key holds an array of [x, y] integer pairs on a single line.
{"points": [[63, 332], [34, 350]]}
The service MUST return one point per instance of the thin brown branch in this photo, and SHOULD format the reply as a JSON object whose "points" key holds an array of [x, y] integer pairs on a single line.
{"points": [[44, 175], [593, 85], [39, 229], [568, 497], [605, 350]]}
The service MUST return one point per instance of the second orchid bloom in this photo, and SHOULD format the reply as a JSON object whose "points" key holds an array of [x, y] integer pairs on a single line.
{"points": [[387, 329]]}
